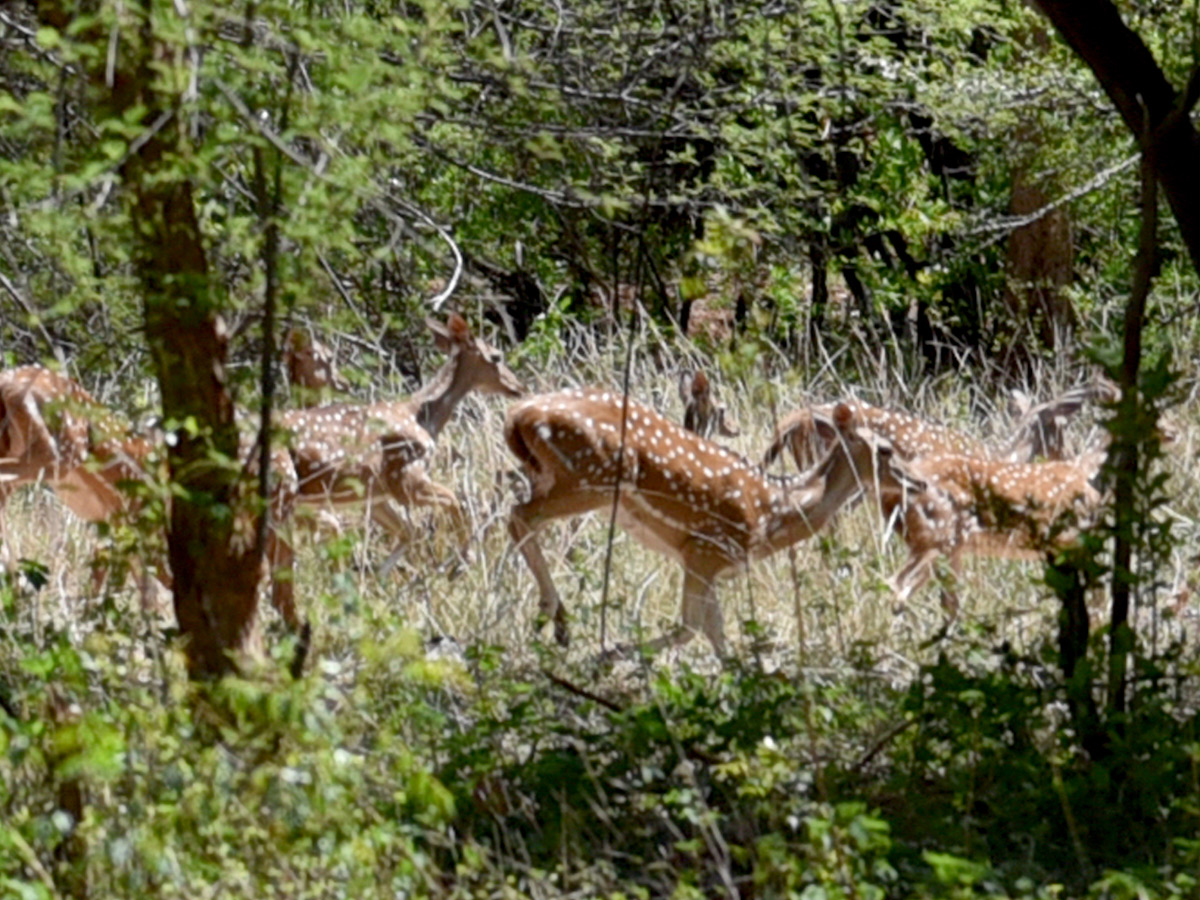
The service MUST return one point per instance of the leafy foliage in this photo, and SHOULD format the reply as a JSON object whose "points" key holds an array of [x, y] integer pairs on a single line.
{"points": [[834, 179]]}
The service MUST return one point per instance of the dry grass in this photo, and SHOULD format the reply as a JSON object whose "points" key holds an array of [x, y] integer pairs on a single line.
{"points": [[819, 605]]}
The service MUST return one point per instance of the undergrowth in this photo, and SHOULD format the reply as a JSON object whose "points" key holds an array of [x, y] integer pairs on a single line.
{"points": [[435, 748]]}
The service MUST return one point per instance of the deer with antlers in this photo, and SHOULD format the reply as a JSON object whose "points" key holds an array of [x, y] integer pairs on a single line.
{"points": [[54, 431], [675, 492], [379, 453], [702, 414]]}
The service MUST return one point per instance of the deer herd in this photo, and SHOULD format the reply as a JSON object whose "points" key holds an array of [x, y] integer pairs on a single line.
{"points": [[669, 486]]}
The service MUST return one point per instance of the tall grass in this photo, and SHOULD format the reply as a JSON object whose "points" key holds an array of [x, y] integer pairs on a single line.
{"points": [[436, 669]]}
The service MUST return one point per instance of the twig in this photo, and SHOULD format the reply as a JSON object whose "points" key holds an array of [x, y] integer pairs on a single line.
{"points": [[1005, 225], [437, 300], [583, 692], [888, 736], [37, 321]]}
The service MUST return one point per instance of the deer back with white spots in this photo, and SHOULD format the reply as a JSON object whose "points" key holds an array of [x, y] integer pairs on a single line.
{"points": [[992, 508], [807, 435], [1039, 433], [677, 493], [53, 431], [376, 453]]}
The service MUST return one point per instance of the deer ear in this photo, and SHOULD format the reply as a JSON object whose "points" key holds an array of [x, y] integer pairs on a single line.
{"points": [[685, 386], [1019, 403], [455, 331], [843, 416], [699, 383]]}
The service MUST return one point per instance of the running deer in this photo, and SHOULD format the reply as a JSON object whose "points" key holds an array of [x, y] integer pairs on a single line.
{"points": [[1038, 433], [54, 431], [992, 508], [1018, 510], [677, 493], [377, 453], [702, 414]]}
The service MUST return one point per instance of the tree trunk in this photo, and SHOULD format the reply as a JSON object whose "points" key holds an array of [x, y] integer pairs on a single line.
{"points": [[215, 555], [1133, 81], [1040, 264], [213, 543]]}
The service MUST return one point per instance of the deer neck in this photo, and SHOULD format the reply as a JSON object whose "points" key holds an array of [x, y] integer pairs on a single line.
{"points": [[802, 504], [434, 402]]}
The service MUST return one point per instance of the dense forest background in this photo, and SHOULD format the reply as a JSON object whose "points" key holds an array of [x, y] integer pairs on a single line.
{"points": [[925, 204]]}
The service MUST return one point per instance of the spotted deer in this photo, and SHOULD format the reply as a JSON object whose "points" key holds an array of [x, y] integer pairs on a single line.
{"points": [[53, 431], [677, 493], [992, 508], [378, 453], [1037, 434], [1002, 508], [808, 433], [310, 365], [702, 414]]}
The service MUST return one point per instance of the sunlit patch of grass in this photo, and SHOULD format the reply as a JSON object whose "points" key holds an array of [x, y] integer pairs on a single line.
{"points": [[835, 583]]}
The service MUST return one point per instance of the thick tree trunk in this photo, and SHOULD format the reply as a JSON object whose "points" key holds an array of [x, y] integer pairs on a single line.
{"points": [[1133, 81], [213, 541], [215, 562]]}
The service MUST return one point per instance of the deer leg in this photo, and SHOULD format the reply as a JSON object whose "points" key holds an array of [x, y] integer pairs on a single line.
{"points": [[423, 491], [384, 514], [281, 561], [550, 605], [916, 571], [700, 614], [523, 523], [413, 487]]}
